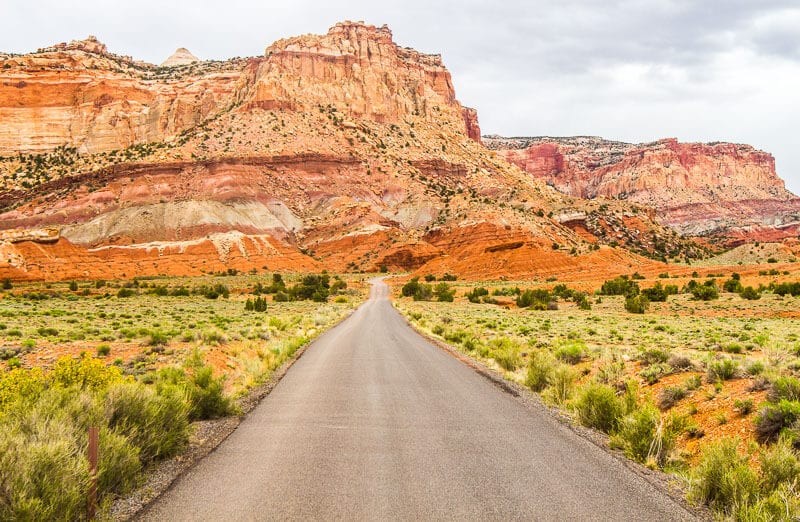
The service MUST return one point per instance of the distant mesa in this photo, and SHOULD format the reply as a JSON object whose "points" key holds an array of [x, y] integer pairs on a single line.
{"points": [[181, 56]]}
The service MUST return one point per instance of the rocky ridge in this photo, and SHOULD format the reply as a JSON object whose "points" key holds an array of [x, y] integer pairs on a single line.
{"points": [[343, 150], [696, 188]]}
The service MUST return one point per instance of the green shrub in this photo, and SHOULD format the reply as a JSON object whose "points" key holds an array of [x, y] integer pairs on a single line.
{"points": [[669, 395], [656, 293], [506, 353], [733, 286], [540, 370], [103, 350], [599, 407], [723, 479], [475, 295], [784, 388], [156, 423], [538, 299], [705, 293], [620, 286], [206, 397], [637, 304], [779, 465], [750, 293], [635, 432], [562, 384], [774, 417], [571, 352], [721, 369], [157, 338]]}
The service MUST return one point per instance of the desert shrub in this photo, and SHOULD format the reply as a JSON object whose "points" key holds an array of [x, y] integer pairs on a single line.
{"points": [[743, 406], [620, 286], [782, 289], [599, 407], [506, 353], [654, 355], [126, 292], [571, 351], [705, 292], [680, 362], [103, 350], [733, 285], [774, 418], [582, 300], [647, 436], [206, 397], [750, 293], [638, 304], [656, 293], [214, 337], [669, 395], [779, 464], [449, 277], [784, 388], [86, 372], [44, 473], [475, 295], [562, 384], [537, 299], [721, 369], [723, 479], [443, 293], [540, 370], [156, 423], [653, 373], [157, 338], [635, 432]]}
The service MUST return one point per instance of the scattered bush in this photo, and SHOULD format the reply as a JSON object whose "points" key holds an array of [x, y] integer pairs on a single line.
{"points": [[620, 286], [571, 352], [721, 369], [750, 293], [657, 293], [599, 407], [637, 304], [774, 417], [705, 292], [540, 370], [784, 388], [669, 395], [724, 480]]}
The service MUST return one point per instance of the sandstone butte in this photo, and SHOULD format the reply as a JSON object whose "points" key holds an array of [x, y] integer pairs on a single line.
{"points": [[341, 151], [696, 188]]}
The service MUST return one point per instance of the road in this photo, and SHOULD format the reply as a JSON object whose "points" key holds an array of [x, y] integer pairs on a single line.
{"points": [[373, 423]]}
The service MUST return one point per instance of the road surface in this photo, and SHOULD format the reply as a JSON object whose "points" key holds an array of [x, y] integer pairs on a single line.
{"points": [[375, 423]]}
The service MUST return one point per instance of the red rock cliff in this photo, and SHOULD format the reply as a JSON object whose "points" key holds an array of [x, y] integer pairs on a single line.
{"points": [[695, 187]]}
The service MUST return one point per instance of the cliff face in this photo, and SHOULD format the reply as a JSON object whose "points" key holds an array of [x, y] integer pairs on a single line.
{"points": [[341, 150], [79, 95], [696, 188]]}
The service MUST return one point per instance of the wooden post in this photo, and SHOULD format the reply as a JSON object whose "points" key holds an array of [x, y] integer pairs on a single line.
{"points": [[91, 506]]}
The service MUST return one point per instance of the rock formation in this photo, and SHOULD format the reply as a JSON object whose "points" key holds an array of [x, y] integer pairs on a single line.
{"points": [[343, 151], [181, 56], [696, 188]]}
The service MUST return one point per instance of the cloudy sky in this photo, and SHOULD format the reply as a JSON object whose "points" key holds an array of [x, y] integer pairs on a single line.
{"points": [[633, 70]]}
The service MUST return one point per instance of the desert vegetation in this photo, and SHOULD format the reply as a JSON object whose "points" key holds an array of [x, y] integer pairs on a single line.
{"points": [[699, 379], [142, 360]]}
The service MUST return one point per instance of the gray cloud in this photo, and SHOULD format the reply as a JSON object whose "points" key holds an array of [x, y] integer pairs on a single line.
{"points": [[627, 69]]}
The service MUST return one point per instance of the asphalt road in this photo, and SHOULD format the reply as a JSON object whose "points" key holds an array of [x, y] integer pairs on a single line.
{"points": [[375, 423]]}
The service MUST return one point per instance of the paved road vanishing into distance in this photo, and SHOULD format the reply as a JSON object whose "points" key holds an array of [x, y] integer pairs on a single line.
{"points": [[373, 422]]}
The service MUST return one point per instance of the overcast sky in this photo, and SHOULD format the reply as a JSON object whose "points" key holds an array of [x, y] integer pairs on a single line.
{"points": [[633, 70]]}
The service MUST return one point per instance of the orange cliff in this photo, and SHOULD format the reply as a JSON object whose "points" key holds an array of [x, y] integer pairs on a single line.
{"points": [[342, 150], [696, 188]]}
